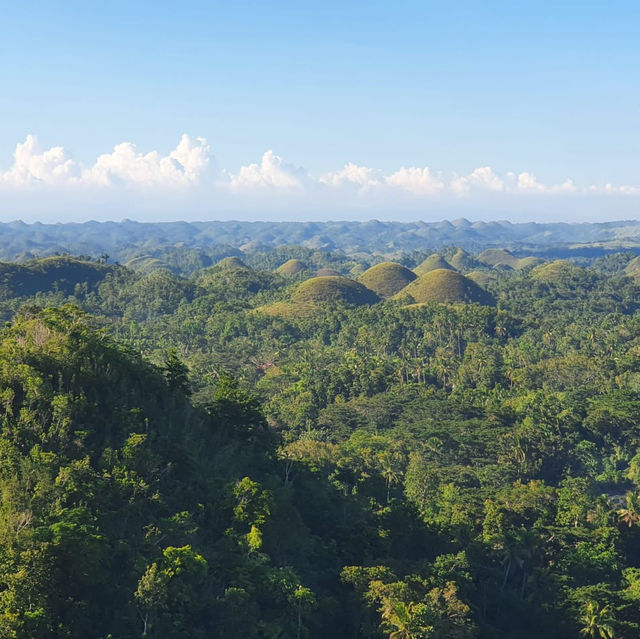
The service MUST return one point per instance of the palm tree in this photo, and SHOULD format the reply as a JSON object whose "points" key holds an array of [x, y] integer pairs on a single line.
{"points": [[595, 620], [519, 551], [390, 469], [403, 618], [630, 514]]}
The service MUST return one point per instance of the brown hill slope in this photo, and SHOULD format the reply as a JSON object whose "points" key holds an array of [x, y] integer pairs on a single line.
{"points": [[387, 278], [432, 263], [443, 285], [332, 288]]}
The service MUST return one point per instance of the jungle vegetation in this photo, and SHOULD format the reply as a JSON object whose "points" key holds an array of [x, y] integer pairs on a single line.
{"points": [[244, 450]]}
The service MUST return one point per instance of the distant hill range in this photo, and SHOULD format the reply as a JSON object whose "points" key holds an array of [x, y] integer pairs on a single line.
{"points": [[126, 240]]}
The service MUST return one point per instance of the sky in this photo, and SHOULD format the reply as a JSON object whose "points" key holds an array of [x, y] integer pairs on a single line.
{"points": [[319, 110]]}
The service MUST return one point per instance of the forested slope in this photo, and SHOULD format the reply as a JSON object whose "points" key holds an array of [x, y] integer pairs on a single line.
{"points": [[179, 462]]}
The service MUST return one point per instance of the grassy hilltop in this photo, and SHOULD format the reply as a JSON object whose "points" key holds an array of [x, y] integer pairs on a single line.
{"points": [[446, 286], [387, 279]]}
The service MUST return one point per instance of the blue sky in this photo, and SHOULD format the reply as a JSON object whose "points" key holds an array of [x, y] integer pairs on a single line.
{"points": [[526, 88]]}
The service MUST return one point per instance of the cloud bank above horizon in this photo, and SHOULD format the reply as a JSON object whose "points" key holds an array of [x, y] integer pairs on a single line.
{"points": [[188, 182]]}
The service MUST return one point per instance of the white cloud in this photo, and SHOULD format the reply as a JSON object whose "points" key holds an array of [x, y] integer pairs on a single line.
{"points": [[527, 182], [272, 173], [568, 186], [610, 189], [629, 190], [126, 165], [417, 181], [482, 178], [186, 172], [192, 155], [33, 166], [351, 174]]}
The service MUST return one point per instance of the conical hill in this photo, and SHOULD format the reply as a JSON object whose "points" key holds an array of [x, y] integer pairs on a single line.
{"points": [[446, 286], [326, 272], [555, 272], [387, 278], [432, 263], [332, 288], [291, 267], [231, 263], [462, 261], [491, 257]]}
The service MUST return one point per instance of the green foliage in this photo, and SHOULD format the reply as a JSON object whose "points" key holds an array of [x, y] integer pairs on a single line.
{"points": [[60, 273], [178, 461], [176, 373]]}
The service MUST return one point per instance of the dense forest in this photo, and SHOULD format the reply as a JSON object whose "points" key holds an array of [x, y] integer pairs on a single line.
{"points": [[300, 443]]}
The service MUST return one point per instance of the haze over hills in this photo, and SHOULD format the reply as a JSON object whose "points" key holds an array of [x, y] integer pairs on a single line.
{"points": [[128, 239]]}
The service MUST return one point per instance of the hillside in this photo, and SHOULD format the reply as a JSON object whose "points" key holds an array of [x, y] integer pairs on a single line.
{"points": [[238, 451], [555, 272], [633, 267], [492, 257], [482, 278], [432, 263], [446, 286], [332, 288], [231, 263], [387, 279], [462, 261], [327, 272], [292, 267], [56, 273]]}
